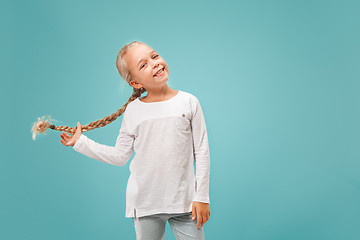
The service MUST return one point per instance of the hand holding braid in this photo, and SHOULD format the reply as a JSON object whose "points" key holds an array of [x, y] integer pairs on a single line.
{"points": [[40, 126], [68, 140]]}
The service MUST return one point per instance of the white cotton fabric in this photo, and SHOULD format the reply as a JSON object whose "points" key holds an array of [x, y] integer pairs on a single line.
{"points": [[168, 137]]}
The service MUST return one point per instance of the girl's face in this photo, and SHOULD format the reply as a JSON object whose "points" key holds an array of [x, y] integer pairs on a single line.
{"points": [[144, 64]]}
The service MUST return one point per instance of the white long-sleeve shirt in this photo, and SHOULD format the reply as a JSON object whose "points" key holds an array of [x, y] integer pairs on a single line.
{"points": [[168, 137]]}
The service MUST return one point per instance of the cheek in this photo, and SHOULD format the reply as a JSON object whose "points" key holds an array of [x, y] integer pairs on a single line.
{"points": [[146, 73], [149, 71]]}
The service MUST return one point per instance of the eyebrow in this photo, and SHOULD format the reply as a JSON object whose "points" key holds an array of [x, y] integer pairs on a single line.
{"points": [[153, 51]]}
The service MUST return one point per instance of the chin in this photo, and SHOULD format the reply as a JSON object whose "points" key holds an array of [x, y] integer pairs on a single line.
{"points": [[165, 79]]}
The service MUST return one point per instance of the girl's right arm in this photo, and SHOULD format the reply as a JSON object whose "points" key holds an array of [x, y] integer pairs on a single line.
{"points": [[118, 155]]}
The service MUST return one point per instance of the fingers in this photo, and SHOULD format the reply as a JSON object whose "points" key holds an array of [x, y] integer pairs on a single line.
{"points": [[202, 218], [65, 136], [199, 220], [196, 215], [65, 143]]}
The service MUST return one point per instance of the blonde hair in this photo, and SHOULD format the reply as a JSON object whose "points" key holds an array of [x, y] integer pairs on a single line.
{"points": [[40, 126]]}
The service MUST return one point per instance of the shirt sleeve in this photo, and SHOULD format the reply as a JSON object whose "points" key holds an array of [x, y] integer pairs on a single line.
{"points": [[201, 154], [118, 155]]}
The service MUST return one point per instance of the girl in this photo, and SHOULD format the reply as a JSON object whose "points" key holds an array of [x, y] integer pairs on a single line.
{"points": [[167, 131]]}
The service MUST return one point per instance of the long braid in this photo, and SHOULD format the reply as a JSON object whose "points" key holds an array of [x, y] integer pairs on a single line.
{"points": [[40, 126]]}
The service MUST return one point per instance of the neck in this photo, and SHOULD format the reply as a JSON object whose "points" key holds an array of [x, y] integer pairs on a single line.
{"points": [[159, 94]]}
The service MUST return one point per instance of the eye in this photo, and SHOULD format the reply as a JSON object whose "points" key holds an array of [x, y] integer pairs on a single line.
{"points": [[155, 56]]}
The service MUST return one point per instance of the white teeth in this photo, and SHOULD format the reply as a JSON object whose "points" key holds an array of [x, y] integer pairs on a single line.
{"points": [[159, 72]]}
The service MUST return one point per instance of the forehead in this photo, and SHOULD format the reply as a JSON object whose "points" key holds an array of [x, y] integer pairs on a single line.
{"points": [[138, 52]]}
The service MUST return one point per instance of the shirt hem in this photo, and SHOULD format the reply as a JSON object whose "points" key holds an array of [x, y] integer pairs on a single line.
{"points": [[142, 213]]}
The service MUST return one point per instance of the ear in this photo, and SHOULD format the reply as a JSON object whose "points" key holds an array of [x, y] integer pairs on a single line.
{"points": [[135, 84]]}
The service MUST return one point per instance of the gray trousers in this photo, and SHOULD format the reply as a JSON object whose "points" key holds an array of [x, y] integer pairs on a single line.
{"points": [[152, 227]]}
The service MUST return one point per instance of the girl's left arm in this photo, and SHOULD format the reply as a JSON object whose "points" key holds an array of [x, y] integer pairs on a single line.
{"points": [[201, 153]]}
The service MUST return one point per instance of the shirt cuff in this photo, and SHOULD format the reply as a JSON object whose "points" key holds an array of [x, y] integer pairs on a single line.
{"points": [[79, 142], [203, 199]]}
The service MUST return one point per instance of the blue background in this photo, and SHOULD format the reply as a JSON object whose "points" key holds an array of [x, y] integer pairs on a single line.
{"points": [[278, 82]]}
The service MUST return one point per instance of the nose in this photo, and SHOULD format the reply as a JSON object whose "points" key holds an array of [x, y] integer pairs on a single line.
{"points": [[155, 64]]}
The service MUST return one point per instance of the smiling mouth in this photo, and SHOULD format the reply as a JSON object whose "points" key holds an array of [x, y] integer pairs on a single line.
{"points": [[161, 71]]}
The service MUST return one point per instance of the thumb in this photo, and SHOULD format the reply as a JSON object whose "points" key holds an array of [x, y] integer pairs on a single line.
{"points": [[193, 212], [79, 126]]}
